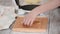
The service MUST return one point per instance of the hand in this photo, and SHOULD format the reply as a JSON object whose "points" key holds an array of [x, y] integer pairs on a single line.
{"points": [[29, 18]]}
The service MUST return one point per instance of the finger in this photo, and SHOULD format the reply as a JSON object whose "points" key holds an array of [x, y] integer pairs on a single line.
{"points": [[32, 21], [29, 21], [26, 21]]}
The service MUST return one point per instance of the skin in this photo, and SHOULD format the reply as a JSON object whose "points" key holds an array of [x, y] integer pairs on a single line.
{"points": [[30, 17]]}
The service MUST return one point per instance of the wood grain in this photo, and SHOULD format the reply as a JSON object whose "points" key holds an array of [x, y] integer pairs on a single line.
{"points": [[39, 25]]}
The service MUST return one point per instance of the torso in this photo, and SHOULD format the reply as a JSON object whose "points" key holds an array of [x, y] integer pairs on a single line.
{"points": [[30, 4]]}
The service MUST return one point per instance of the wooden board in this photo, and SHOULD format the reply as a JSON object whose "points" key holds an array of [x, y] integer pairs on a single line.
{"points": [[39, 25]]}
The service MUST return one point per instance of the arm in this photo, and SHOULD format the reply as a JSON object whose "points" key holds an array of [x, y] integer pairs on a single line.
{"points": [[47, 6], [29, 18]]}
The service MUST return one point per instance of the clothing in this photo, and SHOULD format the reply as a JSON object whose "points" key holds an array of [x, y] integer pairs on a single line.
{"points": [[29, 4], [7, 16]]}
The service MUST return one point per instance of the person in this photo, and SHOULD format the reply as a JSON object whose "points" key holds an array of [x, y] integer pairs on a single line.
{"points": [[30, 17]]}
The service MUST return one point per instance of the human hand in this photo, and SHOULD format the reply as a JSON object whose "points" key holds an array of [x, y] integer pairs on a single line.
{"points": [[29, 18]]}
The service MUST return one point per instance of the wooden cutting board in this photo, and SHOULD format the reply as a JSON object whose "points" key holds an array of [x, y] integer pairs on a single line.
{"points": [[39, 25]]}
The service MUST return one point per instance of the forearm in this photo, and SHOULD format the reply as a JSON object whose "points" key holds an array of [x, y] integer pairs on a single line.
{"points": [[46, 7]]}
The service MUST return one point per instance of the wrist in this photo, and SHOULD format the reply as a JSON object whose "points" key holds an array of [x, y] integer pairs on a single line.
{"points": [[35, 12]]}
